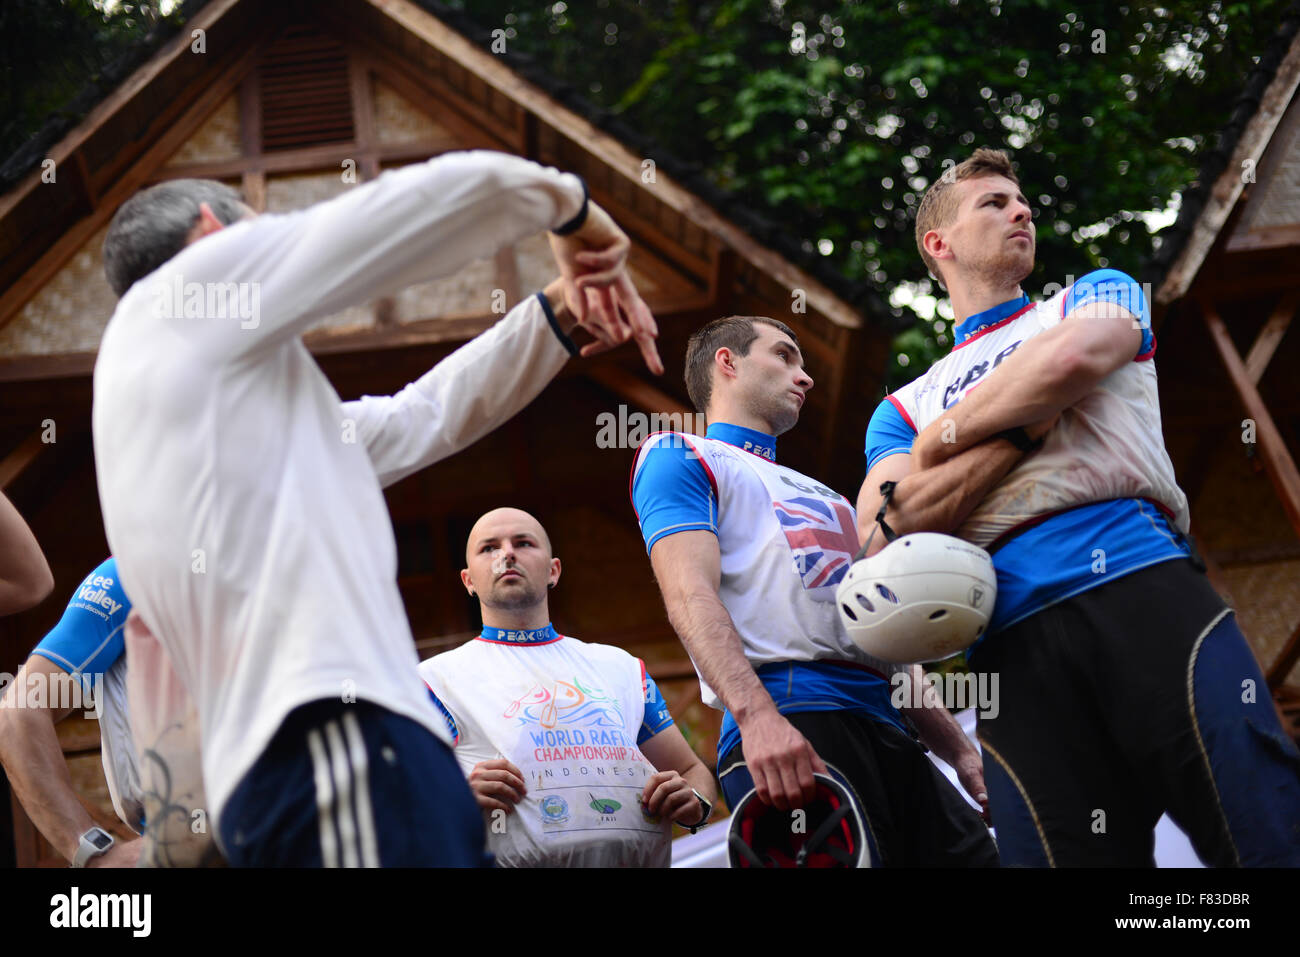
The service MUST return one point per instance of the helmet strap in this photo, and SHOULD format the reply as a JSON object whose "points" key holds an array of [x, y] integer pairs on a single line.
{"points": [[887, 493]]}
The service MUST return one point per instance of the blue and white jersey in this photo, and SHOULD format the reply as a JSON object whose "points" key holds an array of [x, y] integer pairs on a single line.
{"points": [[785, 542], [1098, 500], [88, 643], [572, 717]]}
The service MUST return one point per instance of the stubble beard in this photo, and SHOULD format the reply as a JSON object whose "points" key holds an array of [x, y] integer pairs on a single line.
{"points": [[511, 598]]}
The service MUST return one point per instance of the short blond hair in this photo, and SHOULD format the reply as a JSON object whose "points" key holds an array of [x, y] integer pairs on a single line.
{"points": [[939, 205]]}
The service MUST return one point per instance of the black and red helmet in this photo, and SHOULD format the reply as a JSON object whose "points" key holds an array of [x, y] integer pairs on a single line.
{"points": [[831, 831]]}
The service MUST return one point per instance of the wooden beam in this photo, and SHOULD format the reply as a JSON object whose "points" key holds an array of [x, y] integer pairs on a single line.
{"points": [[363, 115], [17, 462], [225, 78], [1227, 189], [646, 397], [308, 158], [1285, 660], [1277, 460], [1267, 341], [607, 150], [174, 48]]}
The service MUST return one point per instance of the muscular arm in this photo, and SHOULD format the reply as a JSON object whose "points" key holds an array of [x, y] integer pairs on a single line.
{"points": [[936, 499], [25, 578], [941, 733], [34, 763], [688, 568], [1049, 373], [676, 762]]}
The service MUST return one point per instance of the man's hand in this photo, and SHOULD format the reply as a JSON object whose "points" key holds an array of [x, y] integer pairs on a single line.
{"points": [[668, 794], [598, 289], [121, 854], [970, 772], [497, 785], [780, 760]]}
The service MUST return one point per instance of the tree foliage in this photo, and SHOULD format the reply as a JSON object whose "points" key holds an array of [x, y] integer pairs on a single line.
{"points": [[833, 118]]}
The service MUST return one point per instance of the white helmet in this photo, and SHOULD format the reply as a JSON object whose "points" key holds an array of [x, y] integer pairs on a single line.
{"points": [[922, 597]]}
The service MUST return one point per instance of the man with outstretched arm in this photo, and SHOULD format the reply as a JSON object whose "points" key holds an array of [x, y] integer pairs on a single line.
{"points": [[243, 501], [1121, 671], [748, 554]]}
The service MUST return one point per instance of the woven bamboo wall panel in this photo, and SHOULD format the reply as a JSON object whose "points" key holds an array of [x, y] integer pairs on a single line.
{"points": [[217, 139], [287, 193], [69, 312], [397, 120], [467, 293], [1276, 201], [1267, 599]]}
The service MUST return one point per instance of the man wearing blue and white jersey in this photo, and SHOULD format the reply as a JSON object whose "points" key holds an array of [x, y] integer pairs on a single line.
{"points": [[1121, 670], [747, 554], [86, 646], [568, 746]]}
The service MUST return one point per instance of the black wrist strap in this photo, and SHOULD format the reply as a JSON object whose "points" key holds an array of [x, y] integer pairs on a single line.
{"points": [[575, 224], [1020, 439], [886, 493]]}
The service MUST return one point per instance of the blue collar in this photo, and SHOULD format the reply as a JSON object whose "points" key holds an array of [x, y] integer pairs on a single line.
{"points": [[748, 440], [537, 636], [977, 323]]}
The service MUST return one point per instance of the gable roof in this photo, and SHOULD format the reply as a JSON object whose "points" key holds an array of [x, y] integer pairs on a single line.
{"points": [[1240, 145]]}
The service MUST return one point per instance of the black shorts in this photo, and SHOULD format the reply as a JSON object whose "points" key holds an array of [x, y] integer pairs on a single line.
{"points": [[1133, 699], [916, 818]]}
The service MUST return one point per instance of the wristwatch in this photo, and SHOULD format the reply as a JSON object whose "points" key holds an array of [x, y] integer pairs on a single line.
{"points": [[94, 843], [706, 811]]}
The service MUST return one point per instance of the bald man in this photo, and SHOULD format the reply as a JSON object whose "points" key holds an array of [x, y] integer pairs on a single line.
{"points": [[568, 746]]}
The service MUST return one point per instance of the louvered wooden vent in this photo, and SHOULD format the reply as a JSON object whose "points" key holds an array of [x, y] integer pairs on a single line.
{"points": [[306, 99]]}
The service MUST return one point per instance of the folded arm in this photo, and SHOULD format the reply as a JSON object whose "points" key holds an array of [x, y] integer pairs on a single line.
{"points": [[1050, 372]]}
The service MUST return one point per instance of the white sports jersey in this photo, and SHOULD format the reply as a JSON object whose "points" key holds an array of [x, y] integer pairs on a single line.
{"points": [[1107, 445], [785, 541], [241, 500], [567, 714]]}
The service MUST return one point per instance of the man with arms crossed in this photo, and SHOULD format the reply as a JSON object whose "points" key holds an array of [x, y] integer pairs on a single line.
{"points": [[244, 506], [1121, 670], [568, 746], [748, 554]]}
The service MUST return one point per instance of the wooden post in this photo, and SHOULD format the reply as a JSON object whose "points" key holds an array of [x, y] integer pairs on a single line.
{"points": [[1277, 460]]}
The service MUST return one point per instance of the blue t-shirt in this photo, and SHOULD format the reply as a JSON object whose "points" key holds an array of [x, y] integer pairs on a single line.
{"points": [[89, 639], [1080, 548], [673, 492]]}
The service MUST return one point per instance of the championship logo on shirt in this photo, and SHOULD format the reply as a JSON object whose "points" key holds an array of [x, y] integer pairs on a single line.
{"points": [[821, 535], [566, 703]]}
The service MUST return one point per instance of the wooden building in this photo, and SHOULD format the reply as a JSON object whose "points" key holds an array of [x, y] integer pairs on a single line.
{"points": [[1227, 289], [295, 103]]}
